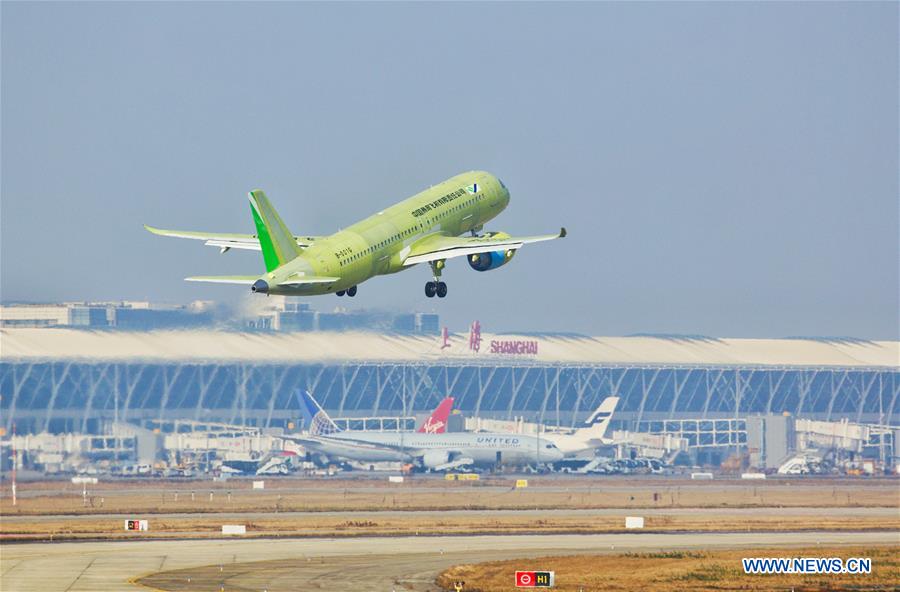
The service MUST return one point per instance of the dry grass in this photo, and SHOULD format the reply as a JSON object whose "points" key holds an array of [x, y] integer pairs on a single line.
{"points": [[680, 571], [434, 494], [42, 512], [373, 525]]}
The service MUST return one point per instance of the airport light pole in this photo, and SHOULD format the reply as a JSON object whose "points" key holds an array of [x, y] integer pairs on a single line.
{"points": [[15, 452]]}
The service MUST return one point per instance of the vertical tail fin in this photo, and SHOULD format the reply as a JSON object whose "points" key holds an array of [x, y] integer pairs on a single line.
{"points": [[277, 242], [437, 421], [597, 424], [314, 417]]}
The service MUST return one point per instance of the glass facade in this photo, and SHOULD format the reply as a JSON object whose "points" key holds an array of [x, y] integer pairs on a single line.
{"points": [[78, 396]]}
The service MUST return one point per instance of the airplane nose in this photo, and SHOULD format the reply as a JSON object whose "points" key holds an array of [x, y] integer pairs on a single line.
{"points": [[260, 287]]}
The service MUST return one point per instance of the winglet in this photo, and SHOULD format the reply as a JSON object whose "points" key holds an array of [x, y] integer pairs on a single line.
{"points": [[164, 232], [562, 232]]}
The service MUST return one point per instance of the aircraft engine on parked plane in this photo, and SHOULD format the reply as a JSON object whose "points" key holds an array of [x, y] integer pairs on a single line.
{"points": [[435, 458], [492, 259]]}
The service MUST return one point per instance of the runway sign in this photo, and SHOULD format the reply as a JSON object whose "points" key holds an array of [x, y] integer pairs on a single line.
{"points": [[259, 485], [469, 477], [701, 475], [136, 525], [450, 477], [534, 579], [395, 479], [753, 475], [634, 522], [234, 529], [521, 483], [84, 480]]}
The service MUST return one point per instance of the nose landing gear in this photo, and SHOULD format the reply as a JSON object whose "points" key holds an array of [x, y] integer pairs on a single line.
{"points": [[437, 287]]}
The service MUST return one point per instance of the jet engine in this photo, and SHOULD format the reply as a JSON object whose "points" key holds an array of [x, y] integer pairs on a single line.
{"points": [[491, 259], [435, 458]]}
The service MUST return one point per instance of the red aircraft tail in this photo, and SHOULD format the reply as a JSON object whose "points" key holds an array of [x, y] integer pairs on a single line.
{"points": [[437, 421]]}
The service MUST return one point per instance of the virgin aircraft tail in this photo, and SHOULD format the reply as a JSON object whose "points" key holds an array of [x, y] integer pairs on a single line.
{"points": [[314, 417], [437, 421]]}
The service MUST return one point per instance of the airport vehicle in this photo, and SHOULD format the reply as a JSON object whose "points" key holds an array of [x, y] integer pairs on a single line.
{"points": [[426, 228], [432, 451], [274, 463], [590, 434]]}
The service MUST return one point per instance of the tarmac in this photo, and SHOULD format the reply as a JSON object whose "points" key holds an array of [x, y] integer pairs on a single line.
{"points": [[365, 563], [434, 515]]}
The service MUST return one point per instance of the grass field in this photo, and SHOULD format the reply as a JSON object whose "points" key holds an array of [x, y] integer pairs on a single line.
{"points": [[680, 571], [308, 495], [370, 524], [57, 510]]}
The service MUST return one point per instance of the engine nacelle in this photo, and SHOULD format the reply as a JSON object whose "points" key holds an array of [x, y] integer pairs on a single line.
{"points": [[435, 458], [491, 259]]}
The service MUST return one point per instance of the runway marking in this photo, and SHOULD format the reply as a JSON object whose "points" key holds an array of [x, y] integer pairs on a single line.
{"points": [[87, 567]]}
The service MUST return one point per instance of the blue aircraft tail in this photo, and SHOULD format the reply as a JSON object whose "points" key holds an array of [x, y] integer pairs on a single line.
{"points": [[314, 417]]}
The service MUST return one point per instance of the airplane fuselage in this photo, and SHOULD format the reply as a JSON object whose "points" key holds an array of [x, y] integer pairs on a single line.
{"points": [[375, 246], [482, 448]]}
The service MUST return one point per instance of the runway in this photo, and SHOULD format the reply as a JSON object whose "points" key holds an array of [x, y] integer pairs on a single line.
{"points": [[432, 515], [365, 563]]}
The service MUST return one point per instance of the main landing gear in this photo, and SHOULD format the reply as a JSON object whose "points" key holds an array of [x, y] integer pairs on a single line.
{"points": [[351, 292], [437, 287]]}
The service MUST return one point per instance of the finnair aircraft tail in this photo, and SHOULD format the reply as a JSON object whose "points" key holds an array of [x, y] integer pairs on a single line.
{"points": [[437, 421], [591, 433], [598, 423]]}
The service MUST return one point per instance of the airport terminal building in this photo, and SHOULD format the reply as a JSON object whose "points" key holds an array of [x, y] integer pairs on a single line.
{"points": [[73, 380]]}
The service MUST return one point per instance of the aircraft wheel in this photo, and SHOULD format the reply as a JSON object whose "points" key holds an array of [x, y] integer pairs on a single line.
{"points": [[441, 289], [430, 289], [340, 292], [351, 291]]}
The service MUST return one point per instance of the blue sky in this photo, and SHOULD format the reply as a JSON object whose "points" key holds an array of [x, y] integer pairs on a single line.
{"points": [[728, 169]]}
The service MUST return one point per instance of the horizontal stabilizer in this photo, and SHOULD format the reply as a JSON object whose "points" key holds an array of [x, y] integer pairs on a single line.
{"points": [[224, 279], [309, 279]]}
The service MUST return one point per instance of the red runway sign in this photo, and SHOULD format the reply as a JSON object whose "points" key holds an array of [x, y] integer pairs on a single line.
{"points": [[534, 579]]}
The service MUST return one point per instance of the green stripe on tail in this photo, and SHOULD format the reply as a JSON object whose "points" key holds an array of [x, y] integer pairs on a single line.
{"points": [[276, 241]]}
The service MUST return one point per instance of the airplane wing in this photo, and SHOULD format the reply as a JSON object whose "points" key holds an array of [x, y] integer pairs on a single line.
{"points": [[225, 240], [439, 246], [251, 279]]}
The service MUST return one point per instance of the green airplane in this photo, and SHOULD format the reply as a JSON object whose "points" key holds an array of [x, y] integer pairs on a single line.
{"points": [[426, 228]]}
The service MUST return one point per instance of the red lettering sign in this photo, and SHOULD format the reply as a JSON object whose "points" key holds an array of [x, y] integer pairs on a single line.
{"points": [[517, 348]]}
